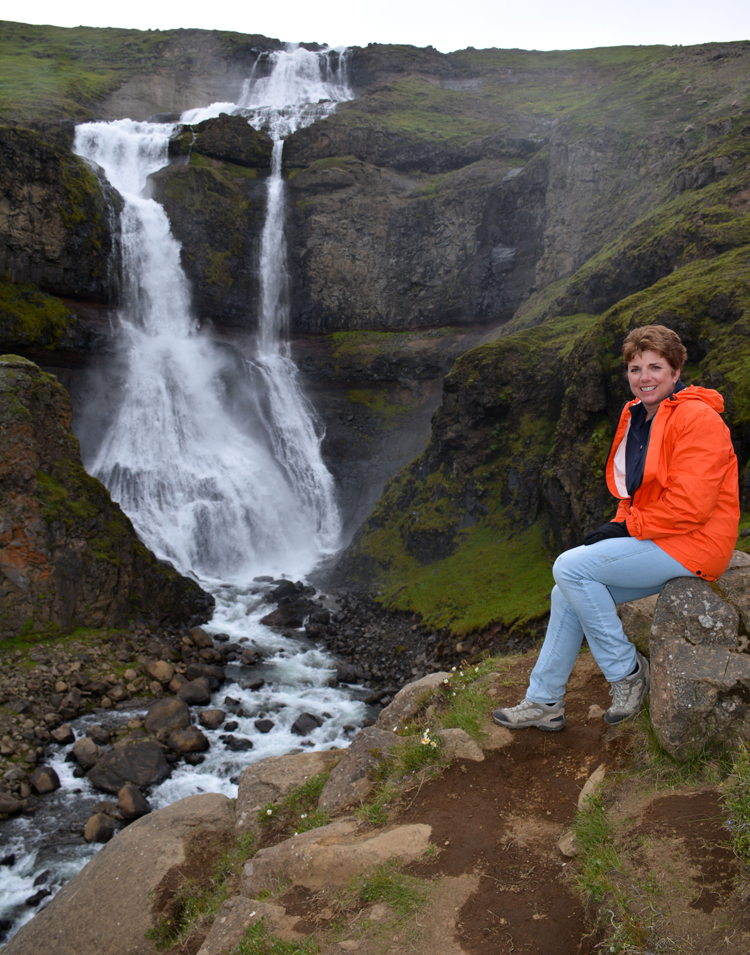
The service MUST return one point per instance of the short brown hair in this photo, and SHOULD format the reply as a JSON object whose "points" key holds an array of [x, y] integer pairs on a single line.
{"points": [[656, 338]]}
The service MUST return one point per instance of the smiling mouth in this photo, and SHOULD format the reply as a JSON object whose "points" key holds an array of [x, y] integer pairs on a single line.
{"points": [[647, 389]]}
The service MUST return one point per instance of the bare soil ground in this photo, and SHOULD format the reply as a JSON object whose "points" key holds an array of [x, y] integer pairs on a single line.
{"points": [[499, 884]]}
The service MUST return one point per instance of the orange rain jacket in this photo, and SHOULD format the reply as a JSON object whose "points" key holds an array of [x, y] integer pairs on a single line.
{"points": [[688, 501]]}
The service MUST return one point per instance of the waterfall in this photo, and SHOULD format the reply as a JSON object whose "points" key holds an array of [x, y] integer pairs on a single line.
{"points": [[216, 495]]}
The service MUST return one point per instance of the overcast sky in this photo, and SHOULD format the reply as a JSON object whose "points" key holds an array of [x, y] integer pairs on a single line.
{"points": [[540, 25]]}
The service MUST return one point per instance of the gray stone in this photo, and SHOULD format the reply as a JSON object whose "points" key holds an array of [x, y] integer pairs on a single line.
{"points": [[99, 828], [160, 670], [98, 734], [189, 740], [143, 764], [63, 734], [10, 805], [409, 699], [106, 908], [331, 855], [734, 584], [700, 683], [212, 719], [166, 716], [132, 803], [270, 779], [306, 723], [688, 608], [86, 752], [44, 780], [196, 692], [459, 745], [350, 782], [200, 638]]}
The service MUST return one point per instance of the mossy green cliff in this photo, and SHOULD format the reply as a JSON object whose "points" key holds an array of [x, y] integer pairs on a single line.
{"points": [[69, 557]]}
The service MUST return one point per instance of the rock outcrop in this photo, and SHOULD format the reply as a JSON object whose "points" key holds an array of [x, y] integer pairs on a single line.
{"points": [[59, 223], [124, 878], [68, 555], [700, 665]]}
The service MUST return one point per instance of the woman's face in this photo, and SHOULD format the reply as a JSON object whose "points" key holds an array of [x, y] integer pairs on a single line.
{"points": [[651, 379]]}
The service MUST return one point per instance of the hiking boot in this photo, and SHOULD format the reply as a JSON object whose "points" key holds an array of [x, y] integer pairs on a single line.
{"points": [[627, 694], [545, 716]]}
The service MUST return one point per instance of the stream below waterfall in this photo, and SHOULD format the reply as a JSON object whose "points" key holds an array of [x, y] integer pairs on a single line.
{"points": [[224, 497]]}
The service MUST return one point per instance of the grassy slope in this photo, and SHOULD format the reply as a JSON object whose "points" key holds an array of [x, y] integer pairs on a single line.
{"points": [[49, 73]]}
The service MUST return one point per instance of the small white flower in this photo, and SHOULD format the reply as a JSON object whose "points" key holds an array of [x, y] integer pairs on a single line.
{"points": [[445, 681], [269, 812], [303, 816]]}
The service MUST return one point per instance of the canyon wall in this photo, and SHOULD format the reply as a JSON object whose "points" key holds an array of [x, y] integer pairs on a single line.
{"points": [[534, 205]]}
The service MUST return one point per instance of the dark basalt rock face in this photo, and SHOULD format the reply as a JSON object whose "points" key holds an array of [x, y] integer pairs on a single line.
{"points": [[217, 213], [68, 555], [59, 223]]}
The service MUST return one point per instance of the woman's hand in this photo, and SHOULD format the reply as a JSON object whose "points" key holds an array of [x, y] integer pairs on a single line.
{"points": [[605, 532]]}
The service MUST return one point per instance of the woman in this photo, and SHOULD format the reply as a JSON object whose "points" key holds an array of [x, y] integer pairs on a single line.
{"points": [[674, 470]]}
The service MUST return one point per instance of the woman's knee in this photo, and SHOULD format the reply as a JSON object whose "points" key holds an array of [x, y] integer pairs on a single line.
{"points": [[565, 567]]}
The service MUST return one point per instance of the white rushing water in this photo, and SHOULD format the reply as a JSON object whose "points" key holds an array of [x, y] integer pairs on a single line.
{"points": [[215, 495], [223, 497]]}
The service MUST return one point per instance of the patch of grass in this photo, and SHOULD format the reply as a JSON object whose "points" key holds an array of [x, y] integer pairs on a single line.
{"points": [[389, 885], [467, 706], [258, 940], [598, 859], [298, 810], [737, 803]]}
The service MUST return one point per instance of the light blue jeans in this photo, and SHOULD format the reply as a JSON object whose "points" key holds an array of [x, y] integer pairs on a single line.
{"points": [[591, 581]]}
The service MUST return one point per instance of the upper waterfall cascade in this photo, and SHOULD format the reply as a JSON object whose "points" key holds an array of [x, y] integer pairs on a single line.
{"points": [[216, 492]]}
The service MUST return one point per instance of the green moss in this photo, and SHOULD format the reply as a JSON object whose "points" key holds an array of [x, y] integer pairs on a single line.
{"points": [[491, 578], [31, 317], [218, 270]]}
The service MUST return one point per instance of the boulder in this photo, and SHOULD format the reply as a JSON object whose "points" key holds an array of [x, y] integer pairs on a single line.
{"points": [[160, 670], [131, 802], [270, 779], [406, 703], [200, 638], [44, 780], [99, 734], [188, 740], [236, 744], [215, 675], [63, 734], [143, 764], [331, 855], [700, 681], [99, 828], [106, 908], [351, 780], [166, 717], [306, 723], [10, 805], [86, 753], [195, 692], [212, 719]]}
